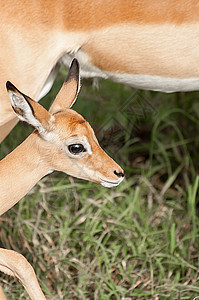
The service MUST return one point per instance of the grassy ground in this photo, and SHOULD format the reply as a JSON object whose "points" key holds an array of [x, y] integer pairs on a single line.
{"points": [[136, 241]]}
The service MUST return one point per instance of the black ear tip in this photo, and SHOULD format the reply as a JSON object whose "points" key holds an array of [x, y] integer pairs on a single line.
{"points": [[10, 87], [74, 63], [73, 70]]}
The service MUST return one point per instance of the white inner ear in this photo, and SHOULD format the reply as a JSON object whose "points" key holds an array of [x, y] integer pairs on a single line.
{"points": [[19, 102]]}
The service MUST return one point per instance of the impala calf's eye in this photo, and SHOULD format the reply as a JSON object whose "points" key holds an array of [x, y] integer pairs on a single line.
{"points": [[76, 148]]}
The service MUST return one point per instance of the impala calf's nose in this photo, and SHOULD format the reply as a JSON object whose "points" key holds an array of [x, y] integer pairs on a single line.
{"points": [[119, 174]]}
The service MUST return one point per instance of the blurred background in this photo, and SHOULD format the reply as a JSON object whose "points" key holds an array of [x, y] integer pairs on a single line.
{"points": [[136, 241]]}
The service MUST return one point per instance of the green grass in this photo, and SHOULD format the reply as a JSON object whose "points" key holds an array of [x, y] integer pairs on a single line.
{"points": [[136, 241]]}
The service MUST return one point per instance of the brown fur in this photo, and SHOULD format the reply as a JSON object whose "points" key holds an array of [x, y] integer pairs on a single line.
{"points": [[90, 15], [106, 13]]}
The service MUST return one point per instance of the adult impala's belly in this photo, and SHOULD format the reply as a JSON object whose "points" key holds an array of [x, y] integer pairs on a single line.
{"points": [[140, 81], [163, 58]]}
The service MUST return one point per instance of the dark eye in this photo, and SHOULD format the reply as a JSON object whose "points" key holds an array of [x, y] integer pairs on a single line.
{"points": [[76, 148]]}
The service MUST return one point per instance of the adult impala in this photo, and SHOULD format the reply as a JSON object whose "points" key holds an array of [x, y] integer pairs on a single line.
{"points": [[147, 44], [62, 141]]}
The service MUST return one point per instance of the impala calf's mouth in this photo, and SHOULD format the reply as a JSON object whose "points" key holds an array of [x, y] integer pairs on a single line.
{"points": [[109, 184]]}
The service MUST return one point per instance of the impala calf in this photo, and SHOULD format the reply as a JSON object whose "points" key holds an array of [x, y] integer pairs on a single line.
{"points": [[62, 141]]}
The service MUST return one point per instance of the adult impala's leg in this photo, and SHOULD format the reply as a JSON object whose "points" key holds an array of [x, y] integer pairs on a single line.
{"points": [[6, 128]]}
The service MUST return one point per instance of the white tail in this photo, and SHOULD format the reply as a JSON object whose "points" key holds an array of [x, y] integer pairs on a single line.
{"points": [[62, 141], [143, 43]]}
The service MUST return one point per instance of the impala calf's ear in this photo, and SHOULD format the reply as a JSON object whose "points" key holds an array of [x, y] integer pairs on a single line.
{"points": [[69, 90], [28, 110]]}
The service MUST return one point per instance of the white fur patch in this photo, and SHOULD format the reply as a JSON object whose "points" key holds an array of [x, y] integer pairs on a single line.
{"points": [[146, 82], [88, 147], [156, 83], [110, 184], [49, 172]]}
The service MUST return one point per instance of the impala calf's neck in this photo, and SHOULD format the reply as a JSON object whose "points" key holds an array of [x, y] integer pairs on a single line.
{"points": [[21, 170]]}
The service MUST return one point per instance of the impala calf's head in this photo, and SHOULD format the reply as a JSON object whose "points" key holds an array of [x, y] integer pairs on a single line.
{"points": [[66, 141]]}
